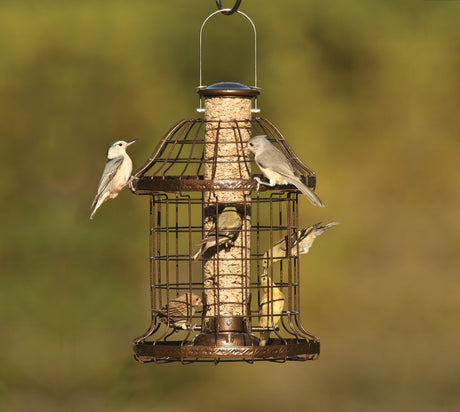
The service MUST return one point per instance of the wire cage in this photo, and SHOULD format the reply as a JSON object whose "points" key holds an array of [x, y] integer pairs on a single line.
{"points": [[224, 298]]}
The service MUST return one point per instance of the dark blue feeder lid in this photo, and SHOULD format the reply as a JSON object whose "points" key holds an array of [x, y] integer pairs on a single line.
{"points": [[228, 89]]}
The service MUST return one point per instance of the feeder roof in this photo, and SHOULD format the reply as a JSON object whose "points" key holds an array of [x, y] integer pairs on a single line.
{"points": [[228, 89]]}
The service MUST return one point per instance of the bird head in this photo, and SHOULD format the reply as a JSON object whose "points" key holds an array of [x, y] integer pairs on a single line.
{"points": [[265, 280], [229, 209], [118, 148], [257, 144], [192, 299]]}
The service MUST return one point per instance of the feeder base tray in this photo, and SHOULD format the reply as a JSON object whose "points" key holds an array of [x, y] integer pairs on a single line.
{"points": [[180, 351]]}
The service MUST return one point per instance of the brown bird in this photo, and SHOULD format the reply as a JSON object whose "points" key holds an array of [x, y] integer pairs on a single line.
{"points": [[179, 310]]}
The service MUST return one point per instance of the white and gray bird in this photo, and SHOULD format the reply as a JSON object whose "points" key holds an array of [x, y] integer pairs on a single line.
{"points": [[303, 239], [277, 168], [116, 174]]}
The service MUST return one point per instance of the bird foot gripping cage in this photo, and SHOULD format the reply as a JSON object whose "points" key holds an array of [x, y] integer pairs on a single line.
{"points": [[216, 294]]}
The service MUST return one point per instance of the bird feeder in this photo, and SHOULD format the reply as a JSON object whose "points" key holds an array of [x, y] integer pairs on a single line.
{"points": [[199, 170]]}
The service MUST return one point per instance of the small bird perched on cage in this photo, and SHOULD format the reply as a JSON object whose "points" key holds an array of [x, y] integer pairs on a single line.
{"points": [[116, 174], [303, 238], [271, 307], [179, 310], [277, 168], [228, 227]]}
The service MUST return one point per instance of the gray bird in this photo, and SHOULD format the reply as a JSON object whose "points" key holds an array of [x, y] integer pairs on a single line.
{"points": [[304, 238], [228, 228], [116, 174], [277, 168], [179, 310]]}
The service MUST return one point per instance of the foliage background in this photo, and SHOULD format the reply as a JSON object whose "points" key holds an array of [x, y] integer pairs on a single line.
{"points": [[366, 92]]}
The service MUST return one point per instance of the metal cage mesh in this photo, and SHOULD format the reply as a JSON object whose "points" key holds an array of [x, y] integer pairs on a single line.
{"points": [[173, 177]]}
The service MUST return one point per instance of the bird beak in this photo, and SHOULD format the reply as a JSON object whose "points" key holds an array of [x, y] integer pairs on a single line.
{"points": [[200, 303], [131, 142], [245, 148]]}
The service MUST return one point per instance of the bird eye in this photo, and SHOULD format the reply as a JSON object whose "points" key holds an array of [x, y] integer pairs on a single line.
{"points": [[119, 144], [251, 144]]}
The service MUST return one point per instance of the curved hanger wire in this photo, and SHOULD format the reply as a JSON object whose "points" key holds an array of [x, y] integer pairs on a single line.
{"points": [[201, 43]]}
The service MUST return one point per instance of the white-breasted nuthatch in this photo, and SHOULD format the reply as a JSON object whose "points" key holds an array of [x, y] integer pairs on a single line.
{"points": [[116, 174], [276, 167]]}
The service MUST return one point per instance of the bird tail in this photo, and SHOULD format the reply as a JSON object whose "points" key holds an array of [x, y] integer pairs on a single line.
{"points": [[94, 207], [320, 229], [198, 253], [312, 196], [98, 201]]}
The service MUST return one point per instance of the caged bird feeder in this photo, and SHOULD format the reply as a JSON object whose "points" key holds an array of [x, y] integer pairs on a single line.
{"points": [[216, 293]]}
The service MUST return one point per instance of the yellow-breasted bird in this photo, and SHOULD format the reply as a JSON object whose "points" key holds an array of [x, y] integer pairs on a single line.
{"points": [[179, 310], [303, 238], [271, 306], [228, 227]]}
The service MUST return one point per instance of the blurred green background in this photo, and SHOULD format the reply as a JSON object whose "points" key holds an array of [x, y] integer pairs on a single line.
{"points": [[366, 92]]}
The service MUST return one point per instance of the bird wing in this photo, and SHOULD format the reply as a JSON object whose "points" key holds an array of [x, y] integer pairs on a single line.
{"points": [[271, 307], [282, 244], [271, 158], [302, 234], [211, 239], [110, 169], [325, 227], [274, 161], [176, 311], [179, 311], [279, 249]]}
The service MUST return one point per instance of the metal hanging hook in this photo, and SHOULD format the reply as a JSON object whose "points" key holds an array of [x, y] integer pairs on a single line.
{"points": [[232, 10]]}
